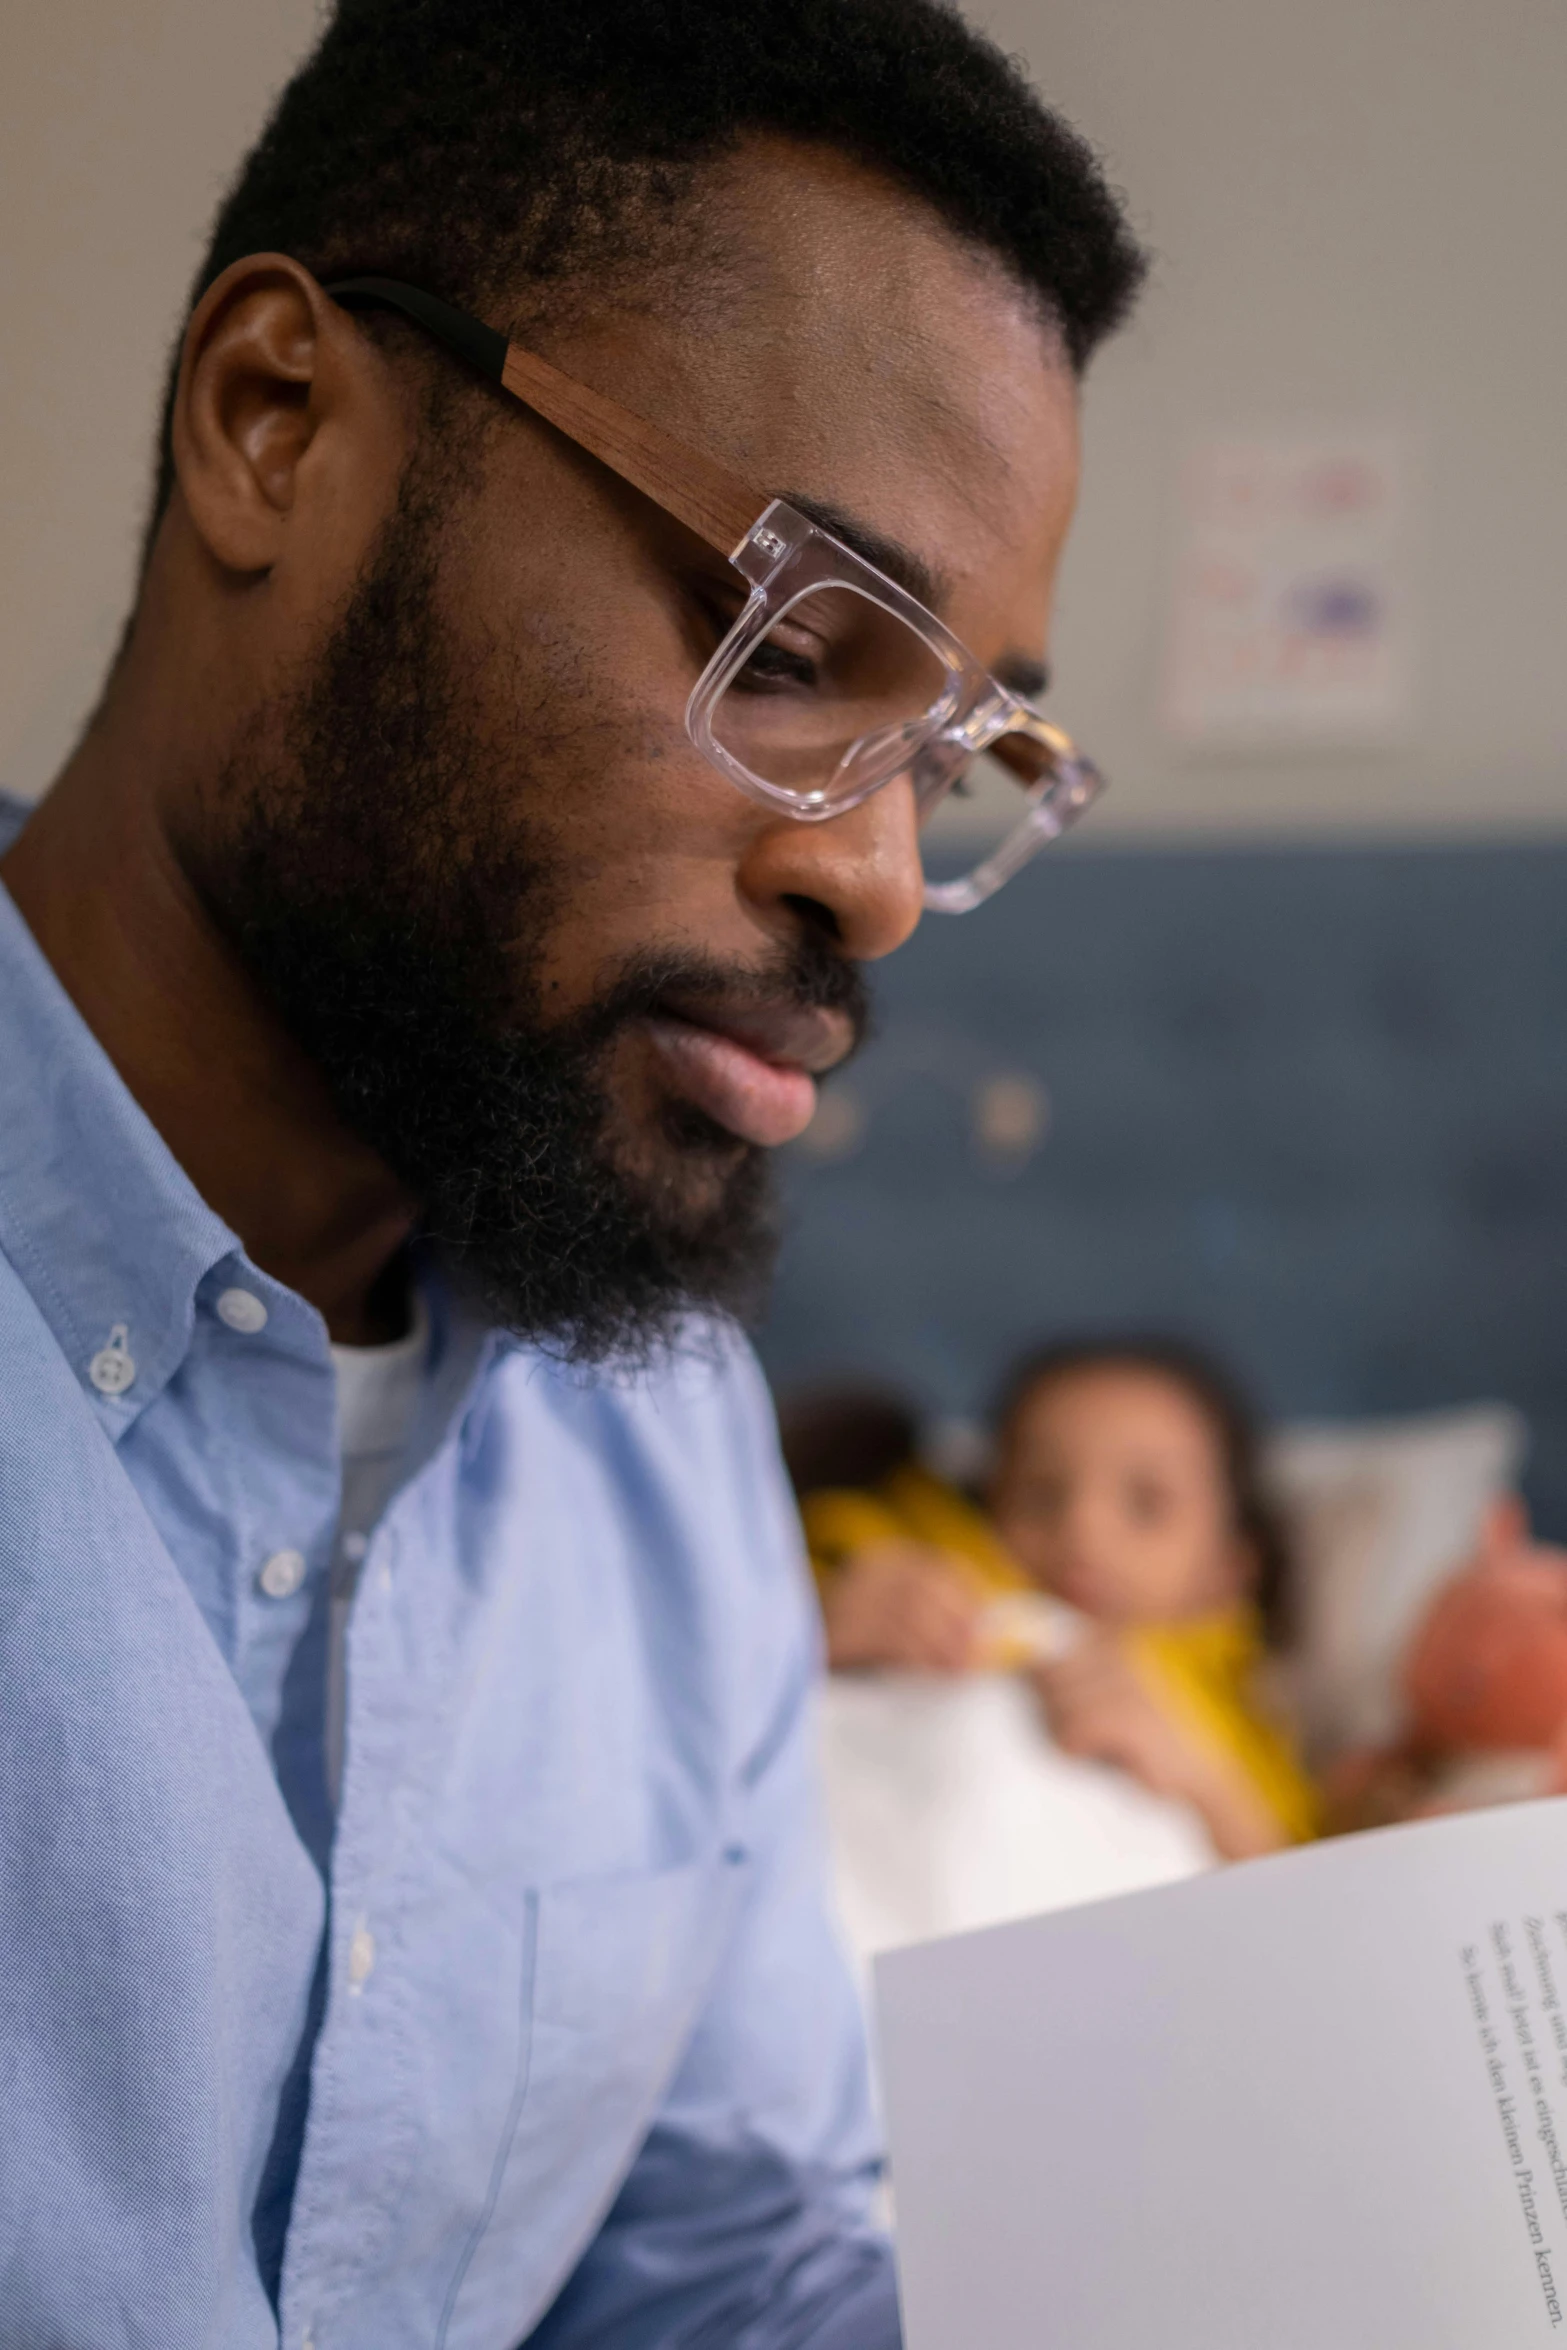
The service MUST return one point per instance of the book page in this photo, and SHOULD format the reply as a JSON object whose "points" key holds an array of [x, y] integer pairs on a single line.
{"points": [[1316, 2102]]}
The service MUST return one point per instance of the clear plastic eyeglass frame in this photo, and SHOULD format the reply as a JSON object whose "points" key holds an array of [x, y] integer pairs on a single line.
{"points": [[786, 560]]}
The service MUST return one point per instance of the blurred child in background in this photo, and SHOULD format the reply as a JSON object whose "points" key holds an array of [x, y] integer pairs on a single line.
{"points": [[1126, 1487], [1127, 1483]]}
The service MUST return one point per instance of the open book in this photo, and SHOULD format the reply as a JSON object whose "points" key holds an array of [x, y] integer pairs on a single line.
{"points": [[1317, 2102]]}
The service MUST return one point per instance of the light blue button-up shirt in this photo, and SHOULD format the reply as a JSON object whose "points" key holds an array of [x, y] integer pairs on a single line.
{"points": [[547, 2034]]}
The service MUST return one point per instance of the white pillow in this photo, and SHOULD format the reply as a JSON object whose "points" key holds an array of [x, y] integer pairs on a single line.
{"points": [[1380, 1512], [948, 1808]]}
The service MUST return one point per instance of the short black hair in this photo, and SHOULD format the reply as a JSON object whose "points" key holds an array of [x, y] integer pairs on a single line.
{"points": [[467, 145], [1228, 1411]]}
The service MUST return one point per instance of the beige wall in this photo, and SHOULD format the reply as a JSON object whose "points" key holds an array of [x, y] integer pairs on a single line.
{"points": [[119, 122], [1360, 211]]}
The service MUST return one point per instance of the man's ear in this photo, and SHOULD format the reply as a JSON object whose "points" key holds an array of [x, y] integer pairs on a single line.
{"points": [[269, 365]]}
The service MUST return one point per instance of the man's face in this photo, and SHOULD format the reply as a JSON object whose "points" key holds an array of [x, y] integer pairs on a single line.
{"points": [[569, 981]]}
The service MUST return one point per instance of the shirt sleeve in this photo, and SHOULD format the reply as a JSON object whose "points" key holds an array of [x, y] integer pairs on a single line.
{"points": [[746, 2222]]}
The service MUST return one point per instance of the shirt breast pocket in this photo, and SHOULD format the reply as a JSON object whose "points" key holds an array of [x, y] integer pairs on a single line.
{"points": [[620, 1968]]}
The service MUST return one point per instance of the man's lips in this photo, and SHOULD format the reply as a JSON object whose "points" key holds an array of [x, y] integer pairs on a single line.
{"points": [[753, 1072]]}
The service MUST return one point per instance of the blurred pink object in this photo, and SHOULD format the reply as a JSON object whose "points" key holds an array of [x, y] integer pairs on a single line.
{"points": [[1488, 1668]]}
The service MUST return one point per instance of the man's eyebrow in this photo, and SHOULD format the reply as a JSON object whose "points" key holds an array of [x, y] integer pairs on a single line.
{"points": [[1021, 674], [912, 573]]}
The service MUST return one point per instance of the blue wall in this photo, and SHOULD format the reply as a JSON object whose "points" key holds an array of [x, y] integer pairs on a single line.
{"points": [[1308, 1105]]}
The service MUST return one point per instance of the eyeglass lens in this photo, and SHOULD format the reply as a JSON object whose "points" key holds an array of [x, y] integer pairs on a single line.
{"points": [[835, 682], [838, 688]]}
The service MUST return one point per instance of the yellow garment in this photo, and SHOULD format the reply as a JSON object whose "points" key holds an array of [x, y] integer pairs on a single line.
{"points": [[909, 1506], [1204, 1669], [1207, 1668]]}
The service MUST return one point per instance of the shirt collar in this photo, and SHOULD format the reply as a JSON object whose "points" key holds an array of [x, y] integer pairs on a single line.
{"points": [[103, 1225], [112, 1239]]}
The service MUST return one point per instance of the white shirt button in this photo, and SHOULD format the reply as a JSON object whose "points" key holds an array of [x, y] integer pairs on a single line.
{"points": [[113, 1367], [361, 1957], [243, 1311], [282, 1574], [355, 1546]]}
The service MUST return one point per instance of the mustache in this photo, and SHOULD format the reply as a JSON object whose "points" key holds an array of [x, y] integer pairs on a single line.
{"points": [[808, 977]]}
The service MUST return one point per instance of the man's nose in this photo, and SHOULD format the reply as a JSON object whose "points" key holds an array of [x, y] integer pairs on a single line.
{"points": [[858, 876]]}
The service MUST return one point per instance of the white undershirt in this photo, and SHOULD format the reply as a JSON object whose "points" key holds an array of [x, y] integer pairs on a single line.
{"points": [[377, 1400]]}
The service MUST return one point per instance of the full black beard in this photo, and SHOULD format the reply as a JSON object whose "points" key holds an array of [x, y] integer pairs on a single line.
{"points": [[377, 894]]}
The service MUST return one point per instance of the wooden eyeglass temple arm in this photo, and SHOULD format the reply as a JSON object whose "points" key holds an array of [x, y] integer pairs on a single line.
{"points": [[707, 498]]}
